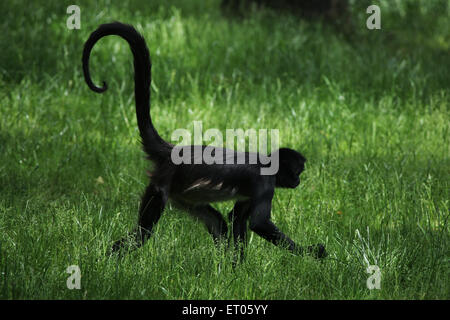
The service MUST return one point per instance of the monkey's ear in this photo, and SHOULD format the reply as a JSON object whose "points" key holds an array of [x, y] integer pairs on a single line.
{"points": [[274, 152], [291, 155]]}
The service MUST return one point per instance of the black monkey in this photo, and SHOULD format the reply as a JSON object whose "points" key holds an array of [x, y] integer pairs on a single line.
{"points": [[193, 186]]}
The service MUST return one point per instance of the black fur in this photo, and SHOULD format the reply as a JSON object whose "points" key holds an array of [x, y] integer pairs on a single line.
{"points": [[193, 186]]}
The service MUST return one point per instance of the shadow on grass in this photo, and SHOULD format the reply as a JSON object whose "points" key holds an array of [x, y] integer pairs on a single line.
{"points": [[35, 42]]}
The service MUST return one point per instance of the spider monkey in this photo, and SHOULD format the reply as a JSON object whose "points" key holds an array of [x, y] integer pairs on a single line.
{"points": [[192, 187]]}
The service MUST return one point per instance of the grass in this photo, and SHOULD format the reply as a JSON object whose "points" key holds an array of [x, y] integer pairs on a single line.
{"points": [[370, 113]]}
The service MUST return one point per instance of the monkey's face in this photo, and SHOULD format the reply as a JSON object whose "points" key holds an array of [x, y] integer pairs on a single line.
{"points": [[292, 164]]}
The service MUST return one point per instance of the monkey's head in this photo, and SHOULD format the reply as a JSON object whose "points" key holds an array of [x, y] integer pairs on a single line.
{"points": [[292, 164]]}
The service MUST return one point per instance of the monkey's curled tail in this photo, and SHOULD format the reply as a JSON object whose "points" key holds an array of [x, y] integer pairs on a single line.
{"points": [[156, 148]]}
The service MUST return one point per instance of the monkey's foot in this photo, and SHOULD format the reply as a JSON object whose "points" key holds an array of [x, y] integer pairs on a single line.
{"points": [[127, 244]]}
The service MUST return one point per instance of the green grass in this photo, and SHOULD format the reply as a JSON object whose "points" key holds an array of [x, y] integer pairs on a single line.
{"points": [[370, 113]]}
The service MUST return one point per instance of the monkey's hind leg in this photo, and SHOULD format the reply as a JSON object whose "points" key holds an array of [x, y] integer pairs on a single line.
{"points": [[151, 208], [238, 216], [213, 220]]}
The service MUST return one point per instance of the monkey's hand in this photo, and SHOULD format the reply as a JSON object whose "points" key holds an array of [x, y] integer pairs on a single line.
{"points": [[317, 251]]}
